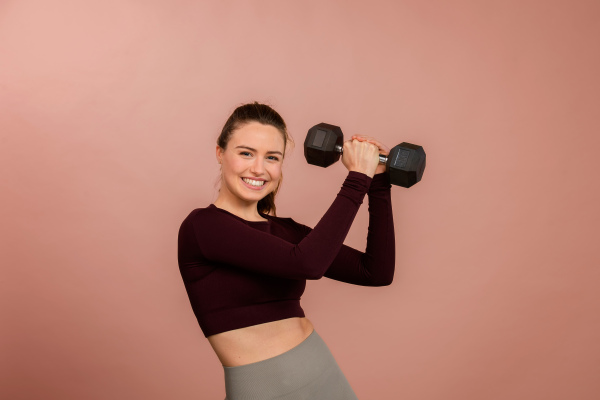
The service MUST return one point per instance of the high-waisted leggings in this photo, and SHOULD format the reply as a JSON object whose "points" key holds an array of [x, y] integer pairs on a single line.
{"points": [[306, 371]]}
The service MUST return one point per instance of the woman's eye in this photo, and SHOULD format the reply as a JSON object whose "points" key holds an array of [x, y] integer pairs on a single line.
{"points": [[275, 158]]}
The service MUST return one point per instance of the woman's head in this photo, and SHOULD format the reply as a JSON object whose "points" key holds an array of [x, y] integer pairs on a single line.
{"points": [[252, 144]]}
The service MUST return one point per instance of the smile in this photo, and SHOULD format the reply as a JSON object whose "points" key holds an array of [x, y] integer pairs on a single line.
{"points": [[253, 184]]}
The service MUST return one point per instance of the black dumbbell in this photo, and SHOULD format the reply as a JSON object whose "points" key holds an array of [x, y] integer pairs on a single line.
{"points": [[405, 164]]}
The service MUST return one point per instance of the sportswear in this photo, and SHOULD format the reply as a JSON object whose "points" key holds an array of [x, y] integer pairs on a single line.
{"points": [[239, 273]]}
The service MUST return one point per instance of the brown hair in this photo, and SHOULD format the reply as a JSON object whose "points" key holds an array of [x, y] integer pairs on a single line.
{"points": [[256, 112]]}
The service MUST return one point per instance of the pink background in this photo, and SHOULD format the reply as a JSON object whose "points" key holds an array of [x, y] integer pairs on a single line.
{"points": [[109, 113]]}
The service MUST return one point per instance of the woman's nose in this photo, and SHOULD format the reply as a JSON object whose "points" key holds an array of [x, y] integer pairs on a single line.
{"points": [[257, 167]]}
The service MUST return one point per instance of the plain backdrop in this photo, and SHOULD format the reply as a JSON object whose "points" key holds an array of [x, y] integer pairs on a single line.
{"points": [[109, 114]]}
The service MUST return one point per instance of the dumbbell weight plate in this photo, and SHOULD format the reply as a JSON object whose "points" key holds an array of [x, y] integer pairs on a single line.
{"points": [[406, 164], [320, 144]]}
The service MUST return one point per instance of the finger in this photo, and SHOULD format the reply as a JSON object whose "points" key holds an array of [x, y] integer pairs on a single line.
{"points": [[376, 143], [371, 140], [383, 149], [360, 140], [379, 144], [362, 137]]}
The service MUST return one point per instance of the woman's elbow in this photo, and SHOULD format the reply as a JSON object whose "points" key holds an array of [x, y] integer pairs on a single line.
{"points": [[310, 271], [384, 279]]}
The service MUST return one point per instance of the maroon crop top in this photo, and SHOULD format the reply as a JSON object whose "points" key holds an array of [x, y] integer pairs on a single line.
{"points": [[239, 273]]}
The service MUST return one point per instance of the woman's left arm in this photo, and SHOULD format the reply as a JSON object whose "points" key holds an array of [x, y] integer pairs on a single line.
{"points": [[374, 267]]}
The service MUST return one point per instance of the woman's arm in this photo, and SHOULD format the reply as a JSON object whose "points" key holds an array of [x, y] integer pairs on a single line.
{"points": [[374, 267], [226, 240]]}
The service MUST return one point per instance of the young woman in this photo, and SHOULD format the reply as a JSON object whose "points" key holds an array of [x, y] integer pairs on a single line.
{"points": [[245, 269]]}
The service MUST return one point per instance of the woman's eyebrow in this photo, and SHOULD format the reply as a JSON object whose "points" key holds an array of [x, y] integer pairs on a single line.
{"points": [[250, 148]]}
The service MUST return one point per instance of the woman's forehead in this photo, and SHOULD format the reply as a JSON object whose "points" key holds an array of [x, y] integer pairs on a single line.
{"points": [[255, 134]]}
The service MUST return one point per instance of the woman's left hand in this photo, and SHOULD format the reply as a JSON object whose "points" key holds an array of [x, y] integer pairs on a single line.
{"points": [[383, 150]]}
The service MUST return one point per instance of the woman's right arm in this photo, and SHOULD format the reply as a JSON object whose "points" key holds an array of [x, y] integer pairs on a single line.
{"points": [[221, 239]]}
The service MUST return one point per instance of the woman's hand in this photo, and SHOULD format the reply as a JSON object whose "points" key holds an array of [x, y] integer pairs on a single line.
{"points": [[361, 156], [383, 150]]}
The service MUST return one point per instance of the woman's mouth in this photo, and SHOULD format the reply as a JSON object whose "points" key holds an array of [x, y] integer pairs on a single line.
{"points": [[254, 184]]}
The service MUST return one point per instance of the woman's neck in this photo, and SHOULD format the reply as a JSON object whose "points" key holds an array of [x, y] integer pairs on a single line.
{"points": [[244, 210]]}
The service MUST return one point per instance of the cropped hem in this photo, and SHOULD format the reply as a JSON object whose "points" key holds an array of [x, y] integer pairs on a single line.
{"points": [[228, 319]]}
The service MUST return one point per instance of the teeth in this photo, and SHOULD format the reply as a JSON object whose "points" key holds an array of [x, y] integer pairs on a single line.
{"points": [[253, 182]]}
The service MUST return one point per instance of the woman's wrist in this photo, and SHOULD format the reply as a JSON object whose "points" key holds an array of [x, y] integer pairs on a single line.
{"points": [[362, 172]]}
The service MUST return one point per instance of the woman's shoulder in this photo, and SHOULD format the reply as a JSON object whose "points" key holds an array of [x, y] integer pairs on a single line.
{"points": [[201, 213]]}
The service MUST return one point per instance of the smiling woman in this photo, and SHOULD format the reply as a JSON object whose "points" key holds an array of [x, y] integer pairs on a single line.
{"points": [[245, 269], [251, 159], [251, 146]]}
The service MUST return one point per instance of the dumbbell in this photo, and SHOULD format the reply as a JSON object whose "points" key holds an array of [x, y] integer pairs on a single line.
{"points": [[405, 163]]}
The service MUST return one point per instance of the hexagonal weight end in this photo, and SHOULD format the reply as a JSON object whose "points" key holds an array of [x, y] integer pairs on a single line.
{"points": [[406, 164], [320, 142]]}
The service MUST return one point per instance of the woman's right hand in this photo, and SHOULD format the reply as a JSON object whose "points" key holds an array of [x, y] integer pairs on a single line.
{"points": [[360, 156]]}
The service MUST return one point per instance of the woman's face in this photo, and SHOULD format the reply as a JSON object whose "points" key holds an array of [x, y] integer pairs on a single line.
{"points": [[254, 151]]}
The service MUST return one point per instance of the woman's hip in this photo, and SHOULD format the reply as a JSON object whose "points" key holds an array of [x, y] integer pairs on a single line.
{"points": [[306, 371]]}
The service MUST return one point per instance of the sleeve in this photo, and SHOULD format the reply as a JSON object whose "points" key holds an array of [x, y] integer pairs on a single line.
{"points": [[226, 240], [374, 267]]}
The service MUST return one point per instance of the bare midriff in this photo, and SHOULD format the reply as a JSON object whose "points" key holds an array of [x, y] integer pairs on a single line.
{"points": [[259, 342]]}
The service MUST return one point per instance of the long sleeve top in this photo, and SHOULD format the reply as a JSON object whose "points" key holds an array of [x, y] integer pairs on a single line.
{"points": [[239, 273]]}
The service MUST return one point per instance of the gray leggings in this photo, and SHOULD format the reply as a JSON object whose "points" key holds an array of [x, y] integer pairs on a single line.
{"points": [[306, 371]]}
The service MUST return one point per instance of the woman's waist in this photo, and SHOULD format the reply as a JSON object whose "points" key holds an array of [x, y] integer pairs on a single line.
{"points": [[259, 342]]}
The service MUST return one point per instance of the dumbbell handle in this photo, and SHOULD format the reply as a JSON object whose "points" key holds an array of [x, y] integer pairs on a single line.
{"points": [[382, 159]]}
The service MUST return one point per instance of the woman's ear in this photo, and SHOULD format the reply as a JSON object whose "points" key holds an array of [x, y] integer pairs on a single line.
{"points": [[219, 154]]}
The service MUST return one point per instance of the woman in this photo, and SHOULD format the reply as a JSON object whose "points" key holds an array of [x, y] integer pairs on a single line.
{"points": [[245, 269]]}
